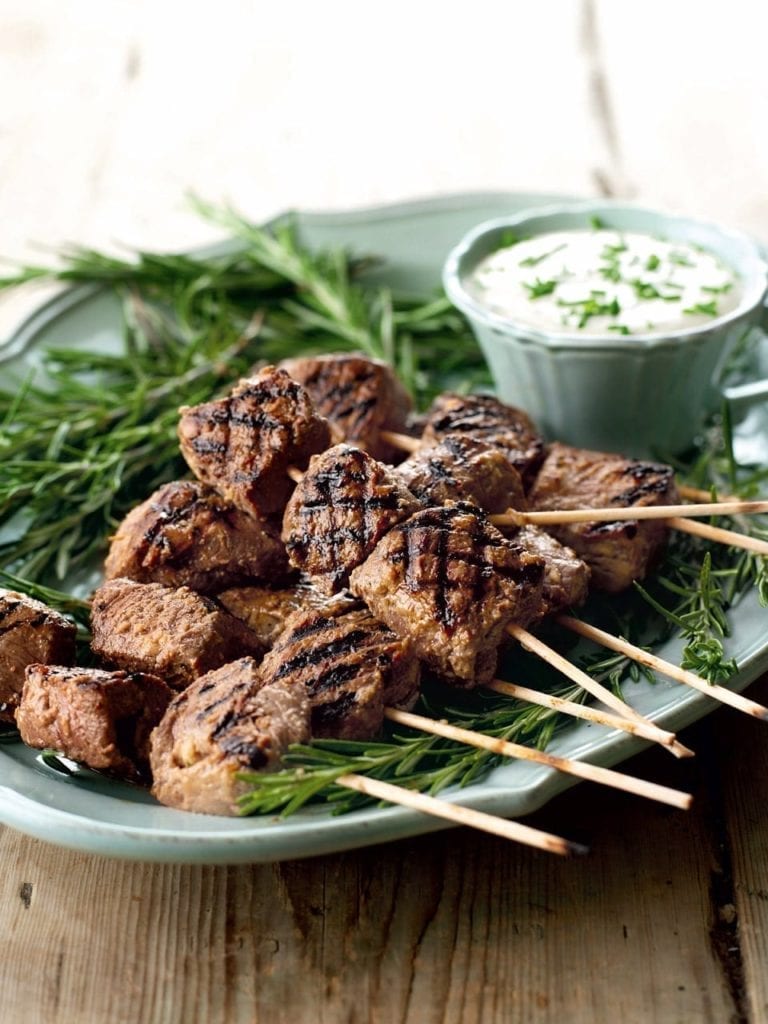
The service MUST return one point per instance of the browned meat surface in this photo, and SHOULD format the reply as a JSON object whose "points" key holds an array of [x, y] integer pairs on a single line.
{"points": [[350, 665], [186, 535], [29, 632], [243, 445], [487, 419], [462, 468], [265, 611], [346, 502], [224, 723], [449, 581], [566, 576], [175, 634], [102, 719], [359, 396], [616, 552]]}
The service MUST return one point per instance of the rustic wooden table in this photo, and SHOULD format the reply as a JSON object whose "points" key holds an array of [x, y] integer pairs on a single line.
{"points": [[111, 111]]}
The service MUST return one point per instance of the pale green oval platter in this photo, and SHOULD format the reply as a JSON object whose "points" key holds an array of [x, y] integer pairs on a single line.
{"points": [[100, 816]]}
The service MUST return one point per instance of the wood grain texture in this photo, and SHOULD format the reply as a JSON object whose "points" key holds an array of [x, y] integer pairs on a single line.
{"points": [[111, 112], [452, 929]]}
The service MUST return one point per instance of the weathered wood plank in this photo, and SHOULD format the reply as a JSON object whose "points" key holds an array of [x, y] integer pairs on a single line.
{"points": [[743, 752], [454, 929]]}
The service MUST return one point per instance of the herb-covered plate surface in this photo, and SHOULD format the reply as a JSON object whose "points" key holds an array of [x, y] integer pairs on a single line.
{"points": [[89, 387]]}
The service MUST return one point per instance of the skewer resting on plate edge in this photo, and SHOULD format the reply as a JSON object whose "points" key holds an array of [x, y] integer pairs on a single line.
{"points": [[580, 769], [459, 815], [536, 646], [680, 675]]}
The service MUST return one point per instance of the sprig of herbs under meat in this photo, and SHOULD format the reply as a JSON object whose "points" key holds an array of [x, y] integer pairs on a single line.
{"points": [[92, 434]]}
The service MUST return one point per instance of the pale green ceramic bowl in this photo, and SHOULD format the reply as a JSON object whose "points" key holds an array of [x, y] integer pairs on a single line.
{"points": [[643, 395]]}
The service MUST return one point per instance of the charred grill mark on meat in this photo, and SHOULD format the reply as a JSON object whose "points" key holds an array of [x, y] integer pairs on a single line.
{"points": [[617, 552], [487, 419], [451, 582], [201, 745], [463, 468], [187, 535], [243, 445], [349, 664], [361, 397], [338, 512]]}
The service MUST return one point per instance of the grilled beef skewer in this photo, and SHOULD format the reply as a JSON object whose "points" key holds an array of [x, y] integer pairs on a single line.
{"points": [[243, 445], [185, 534], [30, 632], [101, 719], [359, 396], [175, 634]]}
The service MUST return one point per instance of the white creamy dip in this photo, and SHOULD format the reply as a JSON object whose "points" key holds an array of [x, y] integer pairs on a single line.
{"points": [[600, 282]]}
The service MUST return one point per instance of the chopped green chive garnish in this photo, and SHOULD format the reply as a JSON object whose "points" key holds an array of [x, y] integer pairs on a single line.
{"points": [[706, 308], [539, 288], [596, 223], [652, 263], [680, 259], [619, 328], [714, 289], [533, 261]]}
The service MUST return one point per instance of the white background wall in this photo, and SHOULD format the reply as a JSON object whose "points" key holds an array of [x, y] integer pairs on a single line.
{"points": [[111, 109]]}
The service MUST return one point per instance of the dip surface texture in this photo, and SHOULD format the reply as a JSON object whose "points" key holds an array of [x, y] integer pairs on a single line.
{"points": [[603, 283]]}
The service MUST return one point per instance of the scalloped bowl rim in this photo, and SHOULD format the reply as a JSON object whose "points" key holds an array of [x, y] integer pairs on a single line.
{"points": [[753, 270]]}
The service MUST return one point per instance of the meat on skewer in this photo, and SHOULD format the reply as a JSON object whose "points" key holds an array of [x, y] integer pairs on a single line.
{"points": [[351, 666], [175, 634], [460, 467], [450, 582], [243, 445], [225, 722], [185, 534], [359, 396], [617, 552], [30, 632], [487, 419], [101, 719], [265, 610], [344, 505]]}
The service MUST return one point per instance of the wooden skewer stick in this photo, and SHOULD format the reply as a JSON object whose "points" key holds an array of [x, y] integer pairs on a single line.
{"points": [[698, 494], [459, 815], [581, 769], [404, 442], [551, 517], [570, 707], [538, 647], [681, 675], [715, 533]]}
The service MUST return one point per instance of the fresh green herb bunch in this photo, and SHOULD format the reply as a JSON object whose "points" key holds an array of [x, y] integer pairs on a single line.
{"points": [[91, 434]]}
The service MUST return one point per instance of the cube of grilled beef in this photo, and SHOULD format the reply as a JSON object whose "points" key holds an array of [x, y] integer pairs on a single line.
{"points": [[350, 665], [265, 611], [461, 468], [487, 419], [175, 634], [566, 576], [450, 582], [226, 722], [617, 552], [243, 445], [346, 502], [185, 534], [359, 396], [30, 632], [102, 719]]}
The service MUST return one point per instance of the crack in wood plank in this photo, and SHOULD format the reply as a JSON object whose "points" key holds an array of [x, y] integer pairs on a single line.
{"points": [[724, 931]]}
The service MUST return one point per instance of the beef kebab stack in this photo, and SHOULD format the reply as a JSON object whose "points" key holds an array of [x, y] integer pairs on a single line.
{"points": [[414, 544]]}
